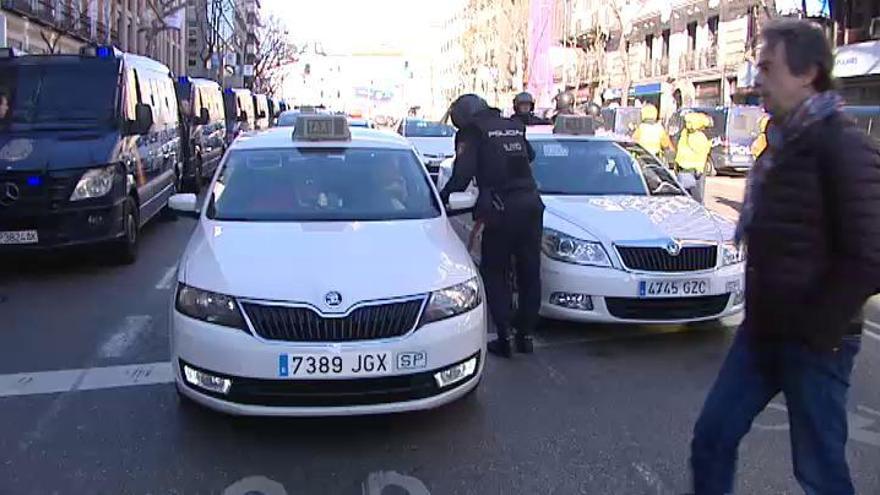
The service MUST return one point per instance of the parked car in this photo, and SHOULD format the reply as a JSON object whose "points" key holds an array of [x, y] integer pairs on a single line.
{"points": [[434, 141], [733, 131], [89, 149], [261, 112], [203, 129], [240, 115]]}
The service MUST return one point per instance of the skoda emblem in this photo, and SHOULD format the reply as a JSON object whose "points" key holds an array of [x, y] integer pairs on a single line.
{"points": [[9, 193], [673, 248], [333, 299]]}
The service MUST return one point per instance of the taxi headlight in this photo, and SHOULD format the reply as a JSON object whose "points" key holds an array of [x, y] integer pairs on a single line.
{"points": [[208, 306], [568, 249], [731, 254], [453, 301], [95, 183]]}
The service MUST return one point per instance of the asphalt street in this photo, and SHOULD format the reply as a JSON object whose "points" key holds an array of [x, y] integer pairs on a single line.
{"points": [[87, 406]]}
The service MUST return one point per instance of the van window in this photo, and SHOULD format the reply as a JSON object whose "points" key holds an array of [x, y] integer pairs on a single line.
{"points": [[61, 94], [129, 95]]}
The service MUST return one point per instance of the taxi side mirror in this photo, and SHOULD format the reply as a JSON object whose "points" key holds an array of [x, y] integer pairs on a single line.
{"points": [[185, 205], [460, 203]]}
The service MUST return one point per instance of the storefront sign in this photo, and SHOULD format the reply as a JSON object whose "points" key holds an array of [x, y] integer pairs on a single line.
{"points": [[860, 59]]}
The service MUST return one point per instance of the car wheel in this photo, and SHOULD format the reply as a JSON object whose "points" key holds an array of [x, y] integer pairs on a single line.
{"points": [[125, 250], [711, 171]]}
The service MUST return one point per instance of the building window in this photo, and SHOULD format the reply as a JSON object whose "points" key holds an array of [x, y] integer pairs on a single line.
{"points": [[713, 30], [666, 35], [692, 37], [649, 48]]}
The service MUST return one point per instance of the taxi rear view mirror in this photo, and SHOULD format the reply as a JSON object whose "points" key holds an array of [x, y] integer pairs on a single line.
{"points": [[184, 205], [461, 202]]}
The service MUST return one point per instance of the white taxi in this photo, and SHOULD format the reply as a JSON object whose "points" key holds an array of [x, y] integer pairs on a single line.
{"points": [[622, 240], [324, 278]]}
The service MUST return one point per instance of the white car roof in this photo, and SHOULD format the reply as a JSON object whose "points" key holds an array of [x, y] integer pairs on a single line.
{"points": [[282, 137], [545, 135]]}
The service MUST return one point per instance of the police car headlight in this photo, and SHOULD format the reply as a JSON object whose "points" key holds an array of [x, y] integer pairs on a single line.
{"points": [[208, 306], [731, 254], [95, 183], [568, 249], [453, 301]]}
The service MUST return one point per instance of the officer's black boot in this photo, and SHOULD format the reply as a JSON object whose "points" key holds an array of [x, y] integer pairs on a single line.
{"points": [[501, 347], [524, 343]]}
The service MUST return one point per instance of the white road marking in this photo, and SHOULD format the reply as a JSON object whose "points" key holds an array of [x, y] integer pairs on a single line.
{"points": [[874, 327], [125, 336], [51, 382], [168, 279], [651, 478]]}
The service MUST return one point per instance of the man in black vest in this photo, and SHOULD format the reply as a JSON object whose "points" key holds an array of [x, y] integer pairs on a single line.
{"points": [[494, 150]]}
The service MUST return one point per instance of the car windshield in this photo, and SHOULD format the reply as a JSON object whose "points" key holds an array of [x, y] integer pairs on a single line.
{"points": [[287, 119], [59, 94], [321, 184], [588, 168], [424, 128]]}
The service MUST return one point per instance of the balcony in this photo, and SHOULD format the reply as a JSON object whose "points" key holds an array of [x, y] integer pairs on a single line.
{"points": [[653, 68], [701, 60], [61, 16]]}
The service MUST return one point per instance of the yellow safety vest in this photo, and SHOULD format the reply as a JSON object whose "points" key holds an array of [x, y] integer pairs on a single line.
{"points": [[693, 151], [650, 137], [759, 144]]}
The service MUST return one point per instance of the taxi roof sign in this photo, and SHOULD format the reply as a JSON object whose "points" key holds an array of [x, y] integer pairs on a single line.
{"points": [[575, 125], [319, 127]]}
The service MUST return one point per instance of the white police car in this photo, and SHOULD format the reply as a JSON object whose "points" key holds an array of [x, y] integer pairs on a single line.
{"points": [[623, 242], [324, 278]]}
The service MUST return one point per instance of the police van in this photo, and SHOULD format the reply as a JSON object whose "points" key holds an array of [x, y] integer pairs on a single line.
{"points": [[240, 114], [203, 129], [299, 292], [261, 112], [89, 148]]}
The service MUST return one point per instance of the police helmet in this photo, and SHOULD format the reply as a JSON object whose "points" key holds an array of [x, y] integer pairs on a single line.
{"points": [[464, 108], [564, 101], [649, 113], [594, 110], [524, 98]]}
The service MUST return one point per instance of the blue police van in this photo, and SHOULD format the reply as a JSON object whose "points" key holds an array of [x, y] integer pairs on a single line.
{"points": [[90, 149], [203, 129]]}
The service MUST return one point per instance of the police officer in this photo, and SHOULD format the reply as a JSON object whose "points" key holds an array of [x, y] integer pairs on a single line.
{"points": [[564, 104], [524, 110], [651, 134], [494, 150], [594, 111]]}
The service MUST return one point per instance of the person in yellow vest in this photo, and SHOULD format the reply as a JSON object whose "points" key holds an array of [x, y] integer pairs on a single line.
{"points": [[760, 143], [693, 153], [651, 135]]}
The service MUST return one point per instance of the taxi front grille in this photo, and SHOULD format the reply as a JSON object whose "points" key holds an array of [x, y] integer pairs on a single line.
{"points": [[673, 308], [657, 259], [300, 324]]}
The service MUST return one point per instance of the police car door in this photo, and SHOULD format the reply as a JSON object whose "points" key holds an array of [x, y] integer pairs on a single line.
{"points": [[463, 224]]}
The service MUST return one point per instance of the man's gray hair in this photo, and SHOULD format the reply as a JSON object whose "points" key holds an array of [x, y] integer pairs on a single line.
{"points": [[805, 47]]}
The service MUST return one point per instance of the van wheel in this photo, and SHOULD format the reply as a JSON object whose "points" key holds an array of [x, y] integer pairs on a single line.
{"points": [[125, 250], [711, 171]]}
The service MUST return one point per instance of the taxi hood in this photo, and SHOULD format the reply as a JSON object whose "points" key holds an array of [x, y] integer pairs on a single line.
{"points": [[302, 262], [58, 150], [614, 219]]}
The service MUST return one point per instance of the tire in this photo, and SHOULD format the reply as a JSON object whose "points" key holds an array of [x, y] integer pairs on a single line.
{"points": [[125, 250], [711, 171]]}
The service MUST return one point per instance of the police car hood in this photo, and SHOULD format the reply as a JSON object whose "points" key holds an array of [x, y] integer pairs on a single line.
{"points": [[302, 262], [57, 150], [434, 147], [615, 219]]}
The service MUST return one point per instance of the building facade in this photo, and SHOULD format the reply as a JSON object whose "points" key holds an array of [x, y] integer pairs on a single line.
{"points": [[855, 28], [63, 26], [222, 40]]}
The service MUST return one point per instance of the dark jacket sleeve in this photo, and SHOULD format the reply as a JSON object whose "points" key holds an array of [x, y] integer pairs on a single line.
{"points": [[530, 151], [852, 188], [467, 144]]}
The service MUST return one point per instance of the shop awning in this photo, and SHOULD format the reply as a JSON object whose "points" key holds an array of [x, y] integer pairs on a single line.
{"points": [[637, 90]]}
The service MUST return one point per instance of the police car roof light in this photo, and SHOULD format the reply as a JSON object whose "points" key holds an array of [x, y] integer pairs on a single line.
{"points": [[99, 51], [574, 125], [317, 127]]}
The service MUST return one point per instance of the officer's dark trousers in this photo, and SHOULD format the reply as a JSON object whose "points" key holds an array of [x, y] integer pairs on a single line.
{"points": [[514, 241]]}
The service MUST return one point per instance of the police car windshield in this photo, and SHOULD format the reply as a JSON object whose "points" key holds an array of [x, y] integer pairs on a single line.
{"points": [[424, 128], [320, 184], [590, 168], [59, 94]]}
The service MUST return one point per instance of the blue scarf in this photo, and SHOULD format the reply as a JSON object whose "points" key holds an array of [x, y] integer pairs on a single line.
{"points": [[814, 109]]}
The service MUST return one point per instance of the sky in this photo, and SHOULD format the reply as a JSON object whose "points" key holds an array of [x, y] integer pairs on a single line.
{"points": [[349, 25]]}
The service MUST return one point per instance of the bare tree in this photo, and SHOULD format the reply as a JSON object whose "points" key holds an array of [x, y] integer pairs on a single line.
{"points": [[215, 27], [70, 17], [162, 12], [274, 53]]}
